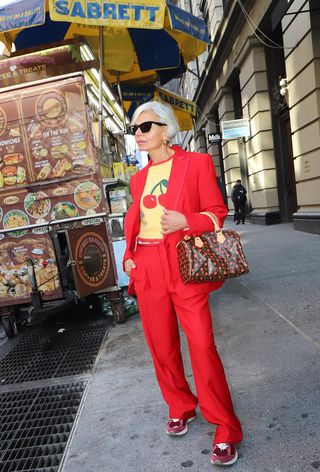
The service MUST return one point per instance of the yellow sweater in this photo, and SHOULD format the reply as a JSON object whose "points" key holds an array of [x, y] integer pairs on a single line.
{"points": [[153, 200]]}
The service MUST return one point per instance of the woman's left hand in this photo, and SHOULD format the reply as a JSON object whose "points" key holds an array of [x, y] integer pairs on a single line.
{"points": [[172, 221]]}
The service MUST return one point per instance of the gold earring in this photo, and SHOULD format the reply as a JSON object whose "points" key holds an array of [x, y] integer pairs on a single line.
{"points": [[165, 141]]}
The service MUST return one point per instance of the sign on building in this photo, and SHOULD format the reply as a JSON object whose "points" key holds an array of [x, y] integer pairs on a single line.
{"points": [[214, 138], [234, 129]]}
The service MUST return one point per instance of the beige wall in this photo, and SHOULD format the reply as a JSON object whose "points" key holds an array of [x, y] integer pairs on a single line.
{"points": [[303, 74], [256, 14], [259, 146]]}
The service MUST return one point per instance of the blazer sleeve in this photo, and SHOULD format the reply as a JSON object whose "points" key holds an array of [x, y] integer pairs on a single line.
{"points": [[128, 223], [210, 199]]}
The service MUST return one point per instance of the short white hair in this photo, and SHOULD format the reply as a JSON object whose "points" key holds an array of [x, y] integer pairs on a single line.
{"points": [[165, 113]]}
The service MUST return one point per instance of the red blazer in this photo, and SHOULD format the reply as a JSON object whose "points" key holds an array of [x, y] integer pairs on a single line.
{"points": [[192, 188]]}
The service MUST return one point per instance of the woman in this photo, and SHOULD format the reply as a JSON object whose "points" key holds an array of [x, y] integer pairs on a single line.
{"points": [[168, 196]]}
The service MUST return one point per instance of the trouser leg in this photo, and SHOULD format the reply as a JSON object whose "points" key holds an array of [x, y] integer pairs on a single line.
{"points": [[237, 214], [243, 212], [212, 388], [162, 334]]}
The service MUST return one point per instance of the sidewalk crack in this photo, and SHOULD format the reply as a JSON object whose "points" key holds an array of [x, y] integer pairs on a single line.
{"points": [[295, 327]]}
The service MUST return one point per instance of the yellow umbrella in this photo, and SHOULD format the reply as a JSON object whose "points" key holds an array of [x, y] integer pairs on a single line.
{"points": [[137, 41], [144, 40]]}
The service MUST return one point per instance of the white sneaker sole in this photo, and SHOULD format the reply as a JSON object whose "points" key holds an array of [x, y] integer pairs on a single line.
{"points": [[221, 464], [184, 431]]}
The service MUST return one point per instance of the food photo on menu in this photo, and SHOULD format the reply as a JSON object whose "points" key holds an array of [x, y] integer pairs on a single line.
{"points": [[37, 205], [14, 278], [14, 169]]}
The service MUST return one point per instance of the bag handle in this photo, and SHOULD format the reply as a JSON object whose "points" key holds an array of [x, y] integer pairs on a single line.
{"points": [[214, 220], [220, 237]]}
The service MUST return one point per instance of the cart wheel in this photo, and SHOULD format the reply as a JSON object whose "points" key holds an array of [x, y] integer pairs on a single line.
{"points": [[118, 311], [9, 325]]}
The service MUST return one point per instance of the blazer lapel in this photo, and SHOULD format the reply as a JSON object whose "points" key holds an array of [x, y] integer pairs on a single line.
{"points": [[178, 174]]}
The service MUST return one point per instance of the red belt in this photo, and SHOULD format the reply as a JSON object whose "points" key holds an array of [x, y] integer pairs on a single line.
{"points": [[149, 242]]}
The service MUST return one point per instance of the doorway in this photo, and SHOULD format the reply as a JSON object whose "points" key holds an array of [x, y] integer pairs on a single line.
{"points": [[290, 196], [281, 129]]}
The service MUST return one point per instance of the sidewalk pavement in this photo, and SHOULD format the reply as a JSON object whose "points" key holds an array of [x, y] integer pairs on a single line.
{"points": [[267, 328]]}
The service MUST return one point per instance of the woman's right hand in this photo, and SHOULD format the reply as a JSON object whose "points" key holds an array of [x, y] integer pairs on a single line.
{"points": [[128, 266]]}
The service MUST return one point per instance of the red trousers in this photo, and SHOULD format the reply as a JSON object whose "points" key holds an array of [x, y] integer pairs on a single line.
{"points": [[160, 305]]}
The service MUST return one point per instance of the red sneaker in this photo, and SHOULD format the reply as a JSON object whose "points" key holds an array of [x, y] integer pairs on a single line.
{"points": [[176, 427], [224, 454]]}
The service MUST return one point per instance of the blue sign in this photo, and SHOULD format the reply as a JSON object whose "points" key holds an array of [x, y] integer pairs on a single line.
{"points": [[18, 14], [234, 129], [183, 21]]}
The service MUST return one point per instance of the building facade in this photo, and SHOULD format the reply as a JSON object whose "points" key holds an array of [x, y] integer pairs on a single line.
{"points": [[263, 64]]}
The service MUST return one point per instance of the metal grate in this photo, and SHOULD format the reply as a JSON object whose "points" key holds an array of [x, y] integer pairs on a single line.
{"points": [[71, 352], [35, 426]]}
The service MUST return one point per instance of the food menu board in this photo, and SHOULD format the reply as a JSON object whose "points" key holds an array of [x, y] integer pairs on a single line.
{"points": [[45, 134], [57, 132], [14, 279], [14, 164], [64, 200], [48, 168]]}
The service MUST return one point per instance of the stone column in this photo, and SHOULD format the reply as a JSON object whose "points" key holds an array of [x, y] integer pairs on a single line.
{"points": [[230, 150], [259, 146], [302, 31]]}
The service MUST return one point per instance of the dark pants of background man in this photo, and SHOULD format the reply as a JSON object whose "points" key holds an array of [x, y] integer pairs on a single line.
{"points": [[239, 212]]}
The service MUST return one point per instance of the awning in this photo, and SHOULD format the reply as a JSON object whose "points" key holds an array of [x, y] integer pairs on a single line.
{"points": [[144, 40]]}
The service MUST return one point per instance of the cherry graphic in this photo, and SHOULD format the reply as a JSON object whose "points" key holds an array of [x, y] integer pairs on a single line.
{"points": [[162, 199], [163, 189], [150, 201], [163, 183]]}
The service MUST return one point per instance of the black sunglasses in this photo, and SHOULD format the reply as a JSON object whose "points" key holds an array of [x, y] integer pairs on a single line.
{"points": [[144, 127]]}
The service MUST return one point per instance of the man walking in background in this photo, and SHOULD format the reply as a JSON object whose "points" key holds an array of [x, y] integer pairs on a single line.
{"points": [[239, 198]]}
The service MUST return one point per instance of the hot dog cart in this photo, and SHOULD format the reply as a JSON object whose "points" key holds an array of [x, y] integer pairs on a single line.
{"points": [[55, 245]]}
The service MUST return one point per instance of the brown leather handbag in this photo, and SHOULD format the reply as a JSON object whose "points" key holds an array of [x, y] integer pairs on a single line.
{"points": [[212, 257]]}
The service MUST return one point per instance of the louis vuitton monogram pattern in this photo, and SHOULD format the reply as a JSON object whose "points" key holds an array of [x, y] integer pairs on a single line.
{"points": [[211, 261]]}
